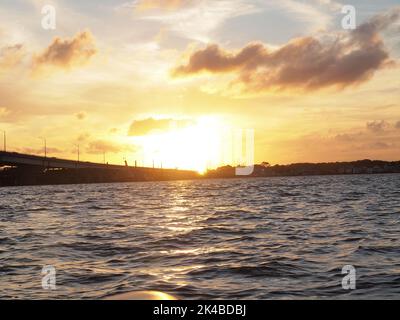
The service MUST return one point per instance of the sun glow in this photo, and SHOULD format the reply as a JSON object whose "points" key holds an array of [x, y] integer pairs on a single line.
{"points": [[195, 147]]}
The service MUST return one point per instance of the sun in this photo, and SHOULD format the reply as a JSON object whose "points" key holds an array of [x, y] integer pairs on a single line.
{"points": [[195, 147]]}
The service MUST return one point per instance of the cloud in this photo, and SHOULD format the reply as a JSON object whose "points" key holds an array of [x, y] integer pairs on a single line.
{"points": [[310, 13], [146, 126], [67, 53], [83, 137], [377, 126], [379, 145], [198, 20], [40, 151], [101, 146], [11, 56], [333, 5], [80, 115], [160, 4], [307, 63], [344, 137], [4, 112]]}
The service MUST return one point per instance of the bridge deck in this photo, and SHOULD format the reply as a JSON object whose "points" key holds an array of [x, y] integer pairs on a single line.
{"points": [[18, 159]]}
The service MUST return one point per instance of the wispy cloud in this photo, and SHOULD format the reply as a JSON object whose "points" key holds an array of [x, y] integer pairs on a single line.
{"points": [[377, 126], [101, 146], [198, 21], [10, 56], [159, 4], [3, 112], [40, 151], [311, 13]]}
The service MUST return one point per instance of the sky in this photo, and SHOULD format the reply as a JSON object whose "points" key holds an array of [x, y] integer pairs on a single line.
{"points": [[172, 82]]}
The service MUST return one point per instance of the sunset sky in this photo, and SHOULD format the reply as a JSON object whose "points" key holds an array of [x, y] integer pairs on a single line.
{"points": [[164, 80]]}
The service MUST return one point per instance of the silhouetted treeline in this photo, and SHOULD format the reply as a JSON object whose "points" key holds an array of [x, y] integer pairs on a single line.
{"points": [[306, 169]]}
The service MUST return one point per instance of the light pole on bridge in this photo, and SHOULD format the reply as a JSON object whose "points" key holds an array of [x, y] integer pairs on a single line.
{"points": [[45, 148], [5, 140], [45, 152], [44, 145]]}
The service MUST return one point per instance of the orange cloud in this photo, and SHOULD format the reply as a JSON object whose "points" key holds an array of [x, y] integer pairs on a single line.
{"points": [[11, 56], [96, 147], [161, 4], [81, 115], [146, 126], [66, 53], [39, 151], [83, 137], [378, 126], [4, 112], [101, 146], [305, 63]]}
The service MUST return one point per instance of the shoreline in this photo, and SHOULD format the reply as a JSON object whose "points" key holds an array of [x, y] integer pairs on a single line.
{"points": [[199, 179], [29, 170]]}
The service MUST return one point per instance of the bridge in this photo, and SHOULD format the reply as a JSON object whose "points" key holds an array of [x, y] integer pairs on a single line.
{"points": [[19, 159], [24, 169]]}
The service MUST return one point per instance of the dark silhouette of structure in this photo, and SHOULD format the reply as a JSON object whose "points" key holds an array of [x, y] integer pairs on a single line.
{"points": [[21, 169], [309, 169]]}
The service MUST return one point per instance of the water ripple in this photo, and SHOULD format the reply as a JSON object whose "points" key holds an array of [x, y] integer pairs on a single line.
{"points": [[275, 238]]}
